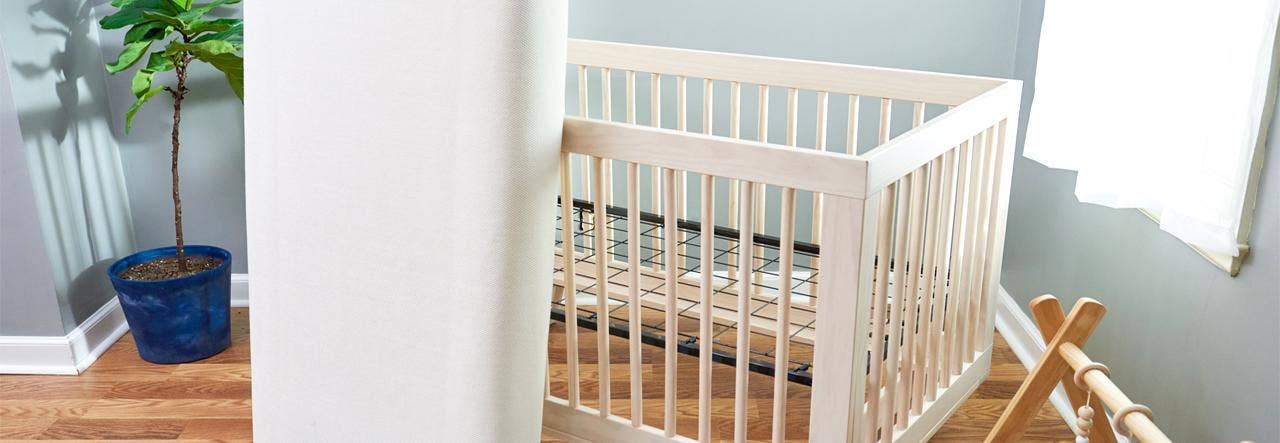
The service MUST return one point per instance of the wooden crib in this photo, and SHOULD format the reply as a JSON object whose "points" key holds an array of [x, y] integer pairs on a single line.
{"points": [[868, 243]]}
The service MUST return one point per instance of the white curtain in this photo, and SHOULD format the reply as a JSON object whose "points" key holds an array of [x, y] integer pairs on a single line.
{"points": [[1157, 104]]}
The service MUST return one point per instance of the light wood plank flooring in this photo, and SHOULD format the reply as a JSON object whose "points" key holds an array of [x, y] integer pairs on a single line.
{"points": [[122, 397]]}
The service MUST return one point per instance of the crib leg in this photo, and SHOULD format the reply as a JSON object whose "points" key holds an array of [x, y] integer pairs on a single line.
{"points": [[1048, 371], [1048, 315]]}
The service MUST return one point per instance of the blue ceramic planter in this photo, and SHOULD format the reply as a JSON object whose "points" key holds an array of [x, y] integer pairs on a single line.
{"points": [[182, 319]]}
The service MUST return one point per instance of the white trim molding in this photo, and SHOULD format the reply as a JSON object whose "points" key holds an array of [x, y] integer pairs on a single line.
{"points": [[66, 355], [239, 290], [73, 353]]}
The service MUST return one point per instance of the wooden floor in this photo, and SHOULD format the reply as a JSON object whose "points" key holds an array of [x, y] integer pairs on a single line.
{"points": [[122, 397]]}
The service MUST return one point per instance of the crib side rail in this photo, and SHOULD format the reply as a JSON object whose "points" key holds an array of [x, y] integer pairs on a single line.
{"points": [[898, 84]]}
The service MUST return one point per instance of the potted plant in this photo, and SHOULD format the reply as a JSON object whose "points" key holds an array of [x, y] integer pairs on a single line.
{"points": [[176, 299]]}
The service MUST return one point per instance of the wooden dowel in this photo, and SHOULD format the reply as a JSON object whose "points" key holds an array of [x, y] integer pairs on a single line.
{"points": [[895, 309], [633, 294], [973, 249], [671, 326], [682, 177], [743, 353], [735, 126], [631, 97], [926, 323], [851, 128], [960, 270], [584, 111], [880, 298], [994, 235], [760, 202], [1138, 424], [923, 266], [909, 281], [976, 334], [606, 171], [886, 120], [934, 359], [706, 267], [600, 247], [655, 176], [571, 290], [782, 336]]}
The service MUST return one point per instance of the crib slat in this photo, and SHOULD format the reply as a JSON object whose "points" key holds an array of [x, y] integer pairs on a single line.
{"points": [[598, 217], [570, 291], [978, 275], [743, 353], [973, 263], [820, 143], [884, 239], [959, 266], [585, 112], [706, 267], [908, 279], [851, 128], [999, 175], [631, 97], [671, 333], [896, 309], [886, 118], [655, 176], [606, 171], [735, 123], [633, 294], [950, 358], [682, 177], [916, 310], [782, 336], [928, 266], [938, 277], [759, 203]]}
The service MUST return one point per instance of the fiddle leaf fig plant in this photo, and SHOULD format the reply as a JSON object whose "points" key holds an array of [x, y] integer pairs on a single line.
{"points": [[171, 35]]}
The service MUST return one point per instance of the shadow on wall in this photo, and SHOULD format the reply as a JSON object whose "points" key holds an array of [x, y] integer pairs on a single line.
{"points": [[61, 99]]}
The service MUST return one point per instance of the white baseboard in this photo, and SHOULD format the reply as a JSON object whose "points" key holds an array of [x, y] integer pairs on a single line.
{"points": [[73, 353], [1025, 340], [239, 290], [67, 355]]}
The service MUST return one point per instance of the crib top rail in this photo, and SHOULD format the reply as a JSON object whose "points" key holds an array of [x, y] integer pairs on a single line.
{"points": [[898, 84], [974, 104]]}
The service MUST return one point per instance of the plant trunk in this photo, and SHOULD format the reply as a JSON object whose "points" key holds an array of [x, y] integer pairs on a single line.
{"points": [[178, 95]]}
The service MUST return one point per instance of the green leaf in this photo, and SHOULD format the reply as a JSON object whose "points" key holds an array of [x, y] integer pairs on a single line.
{"points": [[233, 35], [166, 19], [131, 54], [181, 5], [131, 12], [137, 104], [220, 54], [142, 79], [151, 30], [217, 25], [159, 62], [199, 11]]}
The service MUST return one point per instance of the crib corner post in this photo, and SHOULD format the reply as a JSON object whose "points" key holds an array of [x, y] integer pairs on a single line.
{"points": [[843, 318]]}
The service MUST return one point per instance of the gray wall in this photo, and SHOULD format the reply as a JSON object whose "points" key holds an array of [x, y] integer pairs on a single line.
{"points": [[59, 94], [211, 157], [1199, 347], [28, 305]]}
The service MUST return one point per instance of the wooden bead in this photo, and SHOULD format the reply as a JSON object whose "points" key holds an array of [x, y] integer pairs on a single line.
{"points": [[1086, 412], [1082, 439], [1084, 426]]}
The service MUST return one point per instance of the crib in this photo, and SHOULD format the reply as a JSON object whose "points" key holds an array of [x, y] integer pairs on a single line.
{"points": [[835, 229]]}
